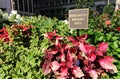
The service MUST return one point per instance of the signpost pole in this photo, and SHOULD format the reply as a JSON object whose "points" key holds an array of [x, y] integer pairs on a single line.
{"points": [[78, 30]]}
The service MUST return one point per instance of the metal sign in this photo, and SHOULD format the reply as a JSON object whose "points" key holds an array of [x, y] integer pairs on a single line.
{"points": [[78, 18]]}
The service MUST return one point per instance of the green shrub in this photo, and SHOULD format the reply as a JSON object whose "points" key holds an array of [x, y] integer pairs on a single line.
{"points": [[109, 9]]}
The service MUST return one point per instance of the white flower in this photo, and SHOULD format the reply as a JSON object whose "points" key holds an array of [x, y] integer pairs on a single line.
{"points": [[65, 21], [18, 16], [14, 12]]}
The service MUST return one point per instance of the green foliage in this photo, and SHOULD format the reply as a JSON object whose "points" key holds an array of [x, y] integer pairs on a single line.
{"points": [[19, 62], [85, 4], [1, 13], [116, 19], [3, 18], [109, 9]]}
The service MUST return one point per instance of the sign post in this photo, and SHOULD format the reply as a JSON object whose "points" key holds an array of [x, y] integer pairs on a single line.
{"points": [[117, 5], [78, 19]]}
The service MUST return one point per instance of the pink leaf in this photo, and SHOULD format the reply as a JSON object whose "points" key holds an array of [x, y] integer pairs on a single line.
{"points": [[63, 71], [77, 72], [80, 57], [82, 48], [47, 56], [89, 48], [82, 38], [102, 47], [85, 62], [24, 28], [54, 50], [46, 68], [65, 46], [69, 64], [109, 58], [60, 77], [99, 53], [106, 64], [55, 65], [93, 74], [58, 43], [73, 40], [73, 50], [50, 35], [69, 57], [76, 40], [59, 37], [92, 57], [70, 38], [62, 57], [63, 63]]}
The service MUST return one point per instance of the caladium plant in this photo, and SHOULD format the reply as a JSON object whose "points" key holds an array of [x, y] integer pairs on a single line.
{"points": [[79, 59], [4, 35], [25, 29]]}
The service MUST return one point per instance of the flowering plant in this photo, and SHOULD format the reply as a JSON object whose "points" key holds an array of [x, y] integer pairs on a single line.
{"points": [[76, 58]]}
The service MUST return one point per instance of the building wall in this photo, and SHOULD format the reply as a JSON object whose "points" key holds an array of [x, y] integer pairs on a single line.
{"points": [[5, 5], [53, 8], [24, 7], [50, 8], [59, 8]]}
